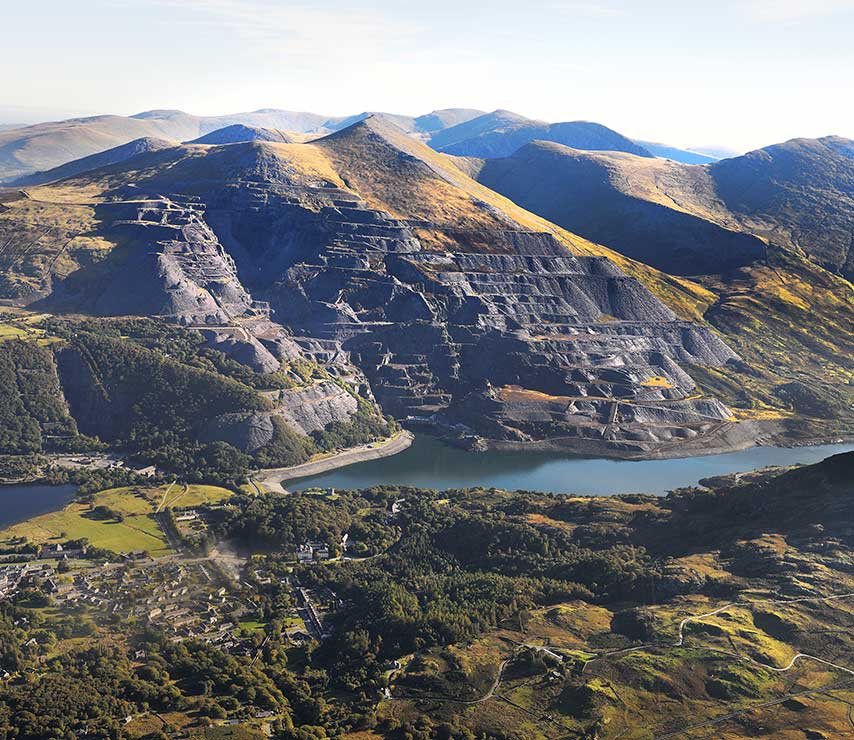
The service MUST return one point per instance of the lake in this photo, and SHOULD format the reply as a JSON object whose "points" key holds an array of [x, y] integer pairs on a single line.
{"points": [[20, 502], [429, 463]]}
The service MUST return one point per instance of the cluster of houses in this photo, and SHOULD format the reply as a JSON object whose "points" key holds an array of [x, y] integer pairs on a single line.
{"points": [[62, 552], [314, 550], [20, 575], [184, 599]]}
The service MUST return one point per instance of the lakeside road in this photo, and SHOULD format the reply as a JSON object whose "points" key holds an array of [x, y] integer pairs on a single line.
{"points": [[273, 478]]}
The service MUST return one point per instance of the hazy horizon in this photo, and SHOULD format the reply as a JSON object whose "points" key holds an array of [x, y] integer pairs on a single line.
{"points": [[729, 74]]}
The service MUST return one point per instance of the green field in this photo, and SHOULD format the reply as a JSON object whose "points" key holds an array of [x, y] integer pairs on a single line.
{"points": [[196, 495], [136, 504], [142, 500], [130, 501], [21, 325], [252, 625], [76, 521]]}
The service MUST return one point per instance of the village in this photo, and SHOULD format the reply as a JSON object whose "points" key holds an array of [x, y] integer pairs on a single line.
{"points": [[188, 597]]}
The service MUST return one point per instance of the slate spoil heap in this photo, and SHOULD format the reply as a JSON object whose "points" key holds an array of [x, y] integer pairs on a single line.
{"points": [[367, 249]]}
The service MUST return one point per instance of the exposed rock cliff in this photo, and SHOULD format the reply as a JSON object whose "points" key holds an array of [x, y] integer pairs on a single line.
{"points": [[373, 250]]}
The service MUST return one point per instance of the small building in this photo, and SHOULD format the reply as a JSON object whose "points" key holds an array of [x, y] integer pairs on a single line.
{"points": [[58, 552]]}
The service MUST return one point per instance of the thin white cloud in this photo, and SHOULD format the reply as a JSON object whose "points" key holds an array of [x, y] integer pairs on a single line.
{"points": [[586, 8], [789, 11], [298, 30]]}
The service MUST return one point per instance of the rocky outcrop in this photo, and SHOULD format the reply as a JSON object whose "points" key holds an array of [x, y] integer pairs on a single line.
{"points": [[246, 432], [170, 264], [306, 410], [315, 407], [243, 347]]}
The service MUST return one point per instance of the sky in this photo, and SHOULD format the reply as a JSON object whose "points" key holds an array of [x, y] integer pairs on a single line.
{"points": [[735, 74]]}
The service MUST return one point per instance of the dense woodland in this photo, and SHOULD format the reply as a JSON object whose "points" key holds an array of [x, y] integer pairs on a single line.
{"points": [[150, 389], [430, 570]]}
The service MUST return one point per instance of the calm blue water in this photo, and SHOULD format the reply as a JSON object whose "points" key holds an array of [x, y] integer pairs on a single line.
{"points": [[18, 503], [430, 464]]}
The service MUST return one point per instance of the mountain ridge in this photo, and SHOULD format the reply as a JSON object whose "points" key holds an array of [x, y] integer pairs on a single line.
{"points": [[502, 132], [371, 242], [44, 146]]}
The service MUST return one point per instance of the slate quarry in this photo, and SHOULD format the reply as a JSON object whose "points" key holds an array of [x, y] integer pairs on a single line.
{"points": [[503, 336]]}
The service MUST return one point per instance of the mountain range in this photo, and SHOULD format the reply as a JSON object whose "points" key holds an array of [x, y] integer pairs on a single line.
{"points": [[514, 292], [30, 149]]}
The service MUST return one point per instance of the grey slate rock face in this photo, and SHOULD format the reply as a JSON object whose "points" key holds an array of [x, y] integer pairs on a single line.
{"points": [[442, 337], [432, 330], [246, 432], [170, 264], [314, 408], [306, 410], [245, 349]]}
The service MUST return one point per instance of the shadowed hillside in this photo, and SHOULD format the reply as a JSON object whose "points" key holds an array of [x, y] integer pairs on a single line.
{"points": [[796, 195]]}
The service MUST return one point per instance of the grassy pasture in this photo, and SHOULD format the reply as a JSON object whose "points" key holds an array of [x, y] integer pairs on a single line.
{"points": [[77, 521]]}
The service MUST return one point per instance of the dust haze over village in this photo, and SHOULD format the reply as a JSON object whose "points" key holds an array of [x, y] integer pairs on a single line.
{"points": [[526, 419]]}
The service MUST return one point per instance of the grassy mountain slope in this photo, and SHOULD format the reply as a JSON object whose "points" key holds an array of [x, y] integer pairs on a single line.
{"points": [[628, 203], [796, 195], [44, 146]]}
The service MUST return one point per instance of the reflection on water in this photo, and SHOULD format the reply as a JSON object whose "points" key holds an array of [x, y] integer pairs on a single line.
{"points": [[430, 464], [18, 503]]}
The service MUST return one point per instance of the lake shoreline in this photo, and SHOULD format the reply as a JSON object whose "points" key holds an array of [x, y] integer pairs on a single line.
{"points": [[275, 478], [34, 499], [431, 463]]}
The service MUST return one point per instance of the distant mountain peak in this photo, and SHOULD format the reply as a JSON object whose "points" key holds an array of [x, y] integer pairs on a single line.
{"points": [[237, 132], [502, 132], [159, 113]]}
